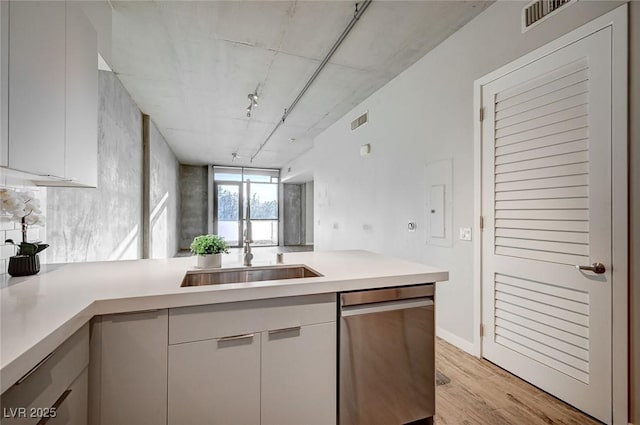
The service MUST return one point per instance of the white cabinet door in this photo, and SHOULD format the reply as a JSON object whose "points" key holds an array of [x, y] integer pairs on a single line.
{"points": [[299, 376], [265, 372], [215, 382], [4, 83], [37, 87], [81, 148], [129, 369]]}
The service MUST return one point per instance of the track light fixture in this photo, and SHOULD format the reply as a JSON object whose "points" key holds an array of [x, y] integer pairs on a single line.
{"points": [[253, 102]]}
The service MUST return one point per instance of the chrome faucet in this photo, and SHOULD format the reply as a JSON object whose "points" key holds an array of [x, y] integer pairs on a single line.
{"points": [[248, 256]]}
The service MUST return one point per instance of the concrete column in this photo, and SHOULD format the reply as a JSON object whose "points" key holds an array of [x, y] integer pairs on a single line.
{"points": [[292, 214]]}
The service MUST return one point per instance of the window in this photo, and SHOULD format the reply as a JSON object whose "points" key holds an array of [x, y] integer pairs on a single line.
{"points": [[235, 189]]}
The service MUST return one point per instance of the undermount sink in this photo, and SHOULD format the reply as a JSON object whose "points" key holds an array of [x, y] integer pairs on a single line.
{"points": [[247, 274]]}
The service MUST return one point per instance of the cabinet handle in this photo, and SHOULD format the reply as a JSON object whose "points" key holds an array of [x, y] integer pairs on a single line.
{"points": [[283, 330], [55, 407], [122, 313], [33, 369], [51, 176], [235, 337]]}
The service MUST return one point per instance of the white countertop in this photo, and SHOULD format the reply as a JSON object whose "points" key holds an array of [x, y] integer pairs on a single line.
{"points": [[40, 312]]}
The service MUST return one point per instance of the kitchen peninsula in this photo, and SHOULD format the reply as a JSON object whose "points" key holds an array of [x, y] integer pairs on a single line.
{"points": [[41, 312]]}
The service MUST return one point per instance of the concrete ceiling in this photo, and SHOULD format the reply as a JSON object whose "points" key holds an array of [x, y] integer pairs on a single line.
{"points": [[190, 65]]}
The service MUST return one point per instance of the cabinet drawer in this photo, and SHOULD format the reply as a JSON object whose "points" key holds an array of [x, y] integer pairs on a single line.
{"points": [[215, 382], [72, 410], [219, 320], [45, 384]]}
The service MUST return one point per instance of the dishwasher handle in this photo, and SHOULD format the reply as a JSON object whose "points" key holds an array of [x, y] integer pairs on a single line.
{"points": [[370, 296], [357, 310]]}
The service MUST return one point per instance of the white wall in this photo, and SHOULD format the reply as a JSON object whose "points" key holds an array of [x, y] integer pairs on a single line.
{"points": [[300, 169], [634, 210], [424, 114], [164, 197], [308, 211]]}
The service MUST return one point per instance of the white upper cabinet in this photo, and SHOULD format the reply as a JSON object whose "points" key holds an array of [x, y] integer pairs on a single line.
{"points": [[82, 99], [53, 93], [37, 87], [4, 82]]}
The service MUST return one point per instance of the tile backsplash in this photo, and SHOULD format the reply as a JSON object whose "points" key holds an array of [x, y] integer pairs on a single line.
{"points": [[9, 229]]}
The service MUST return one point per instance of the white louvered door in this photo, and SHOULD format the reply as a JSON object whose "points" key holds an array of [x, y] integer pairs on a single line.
{"points": [[546, 196]]}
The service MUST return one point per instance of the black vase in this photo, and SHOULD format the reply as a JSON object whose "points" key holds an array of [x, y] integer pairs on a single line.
{"points": [[24, 265]]}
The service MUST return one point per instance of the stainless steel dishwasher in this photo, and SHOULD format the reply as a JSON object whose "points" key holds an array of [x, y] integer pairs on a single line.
{"points": [[386, 366]]}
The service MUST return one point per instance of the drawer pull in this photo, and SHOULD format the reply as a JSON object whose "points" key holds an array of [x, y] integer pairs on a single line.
{"points": [[236, 337], [54, 177], [55, 407], [33, 369], [122, 313], [283, 330]]}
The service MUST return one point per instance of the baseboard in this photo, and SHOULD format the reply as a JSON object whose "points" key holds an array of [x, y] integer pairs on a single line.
{"points": [[453, 339]]}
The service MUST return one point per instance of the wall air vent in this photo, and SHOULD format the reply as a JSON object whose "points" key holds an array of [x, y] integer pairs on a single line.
{"points": [[361, 120], [539, 10]]}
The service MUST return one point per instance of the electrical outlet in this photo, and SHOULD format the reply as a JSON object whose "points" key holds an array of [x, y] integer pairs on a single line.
{"points": [[465, 233]]}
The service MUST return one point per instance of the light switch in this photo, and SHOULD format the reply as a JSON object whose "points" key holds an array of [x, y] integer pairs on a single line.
{"points": [[365, 149], [465, 233]]}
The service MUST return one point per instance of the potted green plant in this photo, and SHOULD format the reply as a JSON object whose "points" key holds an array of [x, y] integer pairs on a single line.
{"points": [[24, 208], [209, 250]]}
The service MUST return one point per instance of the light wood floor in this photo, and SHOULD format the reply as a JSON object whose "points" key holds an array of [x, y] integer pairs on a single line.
{"points": [[481, 393]]}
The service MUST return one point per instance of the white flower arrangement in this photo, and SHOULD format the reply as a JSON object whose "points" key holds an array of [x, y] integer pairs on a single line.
{"points": [[23, 207], [19, 205]]}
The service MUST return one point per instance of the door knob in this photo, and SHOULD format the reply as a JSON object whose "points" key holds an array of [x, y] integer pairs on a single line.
{"points": [[597, 268]]}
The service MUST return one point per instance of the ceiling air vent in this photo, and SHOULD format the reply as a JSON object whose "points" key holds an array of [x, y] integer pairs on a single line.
{"points": [[361, 120], [539, 10]]}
